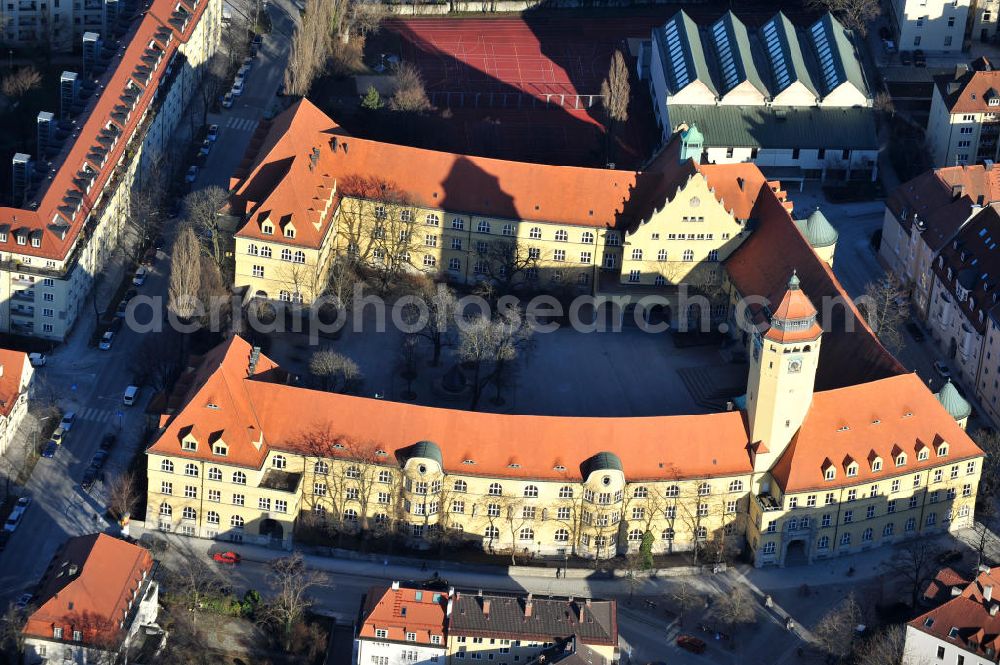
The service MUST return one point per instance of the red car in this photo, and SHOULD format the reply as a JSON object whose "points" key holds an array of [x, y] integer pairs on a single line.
{"points": [[690, 643], [229, 558]]}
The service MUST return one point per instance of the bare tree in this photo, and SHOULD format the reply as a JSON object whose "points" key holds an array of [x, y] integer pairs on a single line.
{"points": [[885, 309], [684, 598], [145, 213], [507, 263], [20, 82], [215, 80], [123, 494], [410, 95], [615, 93], [292, 582], [311, 45], [12, 630], [160, 359], [194, 582], [735, 609], [442, 308], [334, 371], [409, 360], [884, 647], [487, 345], [213, 291], [854, 14], [913, 565], [989, 480], [185, 274], [836, 631], [201, 210]]}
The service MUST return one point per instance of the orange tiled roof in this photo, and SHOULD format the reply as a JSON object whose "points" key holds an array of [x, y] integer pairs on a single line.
{"points": [[401, 611], [966, 620], [293, 166], [12, 367], [892, 415], [970, 91], [87, 587], [65, 202]]}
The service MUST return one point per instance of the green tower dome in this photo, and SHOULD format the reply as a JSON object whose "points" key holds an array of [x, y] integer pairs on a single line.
{"points": [[953, 403], [818, 230]]}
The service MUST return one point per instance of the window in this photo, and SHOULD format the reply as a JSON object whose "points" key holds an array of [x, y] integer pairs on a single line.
{"points": [[967, 490], [491, 533], [190, 492], [528, 512], [970, 468], [483, 227], [220, 449], [455, 265], [264, 503], [890, 507], [586, 257], [731, 507], [561, 535], [530, 491], [559, 255], [827, 520], [461, 486], [848, 516], [215, 495], [768, 548], [493, 510], [563, 513], [258, 271], [811, 501], [637, 254], [458, 507], [688, 255], [189, 513], [672, 491], [239, 500], [496, 489], [526, 534], [189, 444], [870, 512], [535, 233], [279, 462], [432, 220], [319, 488], [633, 276], [894, 486], [166, 487], [704, 489], [829, 499], [191, 470], [212, 517], [166, 466], [845, 539], [239, 478], [901, 459], [565, 492], [236, 522]]}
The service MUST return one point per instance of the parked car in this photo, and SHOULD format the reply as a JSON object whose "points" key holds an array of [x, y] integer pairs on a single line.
{"points": [[100, 459], [237, 87], [230, 558], [106, 339], [109, 441], [243, 71], [23, 600], [89, 478], [67, 420], [206, 147], [248, 62], [888, 46], [58, 436], [49, 451], [37, 359], [919, 59], [904, 57], [116, 325], [140, 276], [227, 100], [915, 332], [128, 398], [14, 519], [943, 371], [691, 643], [211, 135], [122, 308], [192, 174]]}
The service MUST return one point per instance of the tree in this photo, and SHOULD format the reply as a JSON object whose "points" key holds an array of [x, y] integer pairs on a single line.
{"points": [[215, 79], [615, 93], [194, 582], [334, 371], [291, 583], [989, 480], [913, 565], [442, 308], [507, 263], [410, 95], [201, 210], [885, 309], [12, 630], [735, 609], [372, 100], [145, 213], [409, 359], [983, 537], [20, 82], [646, 549], [884, 647], [854, 14], [185, 274], [311, 45], [488, 344], [123, 493], [836, 631], [213, 292], [684, 597], [160, 359]]}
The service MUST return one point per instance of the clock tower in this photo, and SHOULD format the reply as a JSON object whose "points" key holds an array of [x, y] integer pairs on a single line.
{"points": [[783, 364]]}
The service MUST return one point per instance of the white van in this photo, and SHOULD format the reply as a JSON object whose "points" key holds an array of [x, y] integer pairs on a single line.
{"points": [[128, 399]]}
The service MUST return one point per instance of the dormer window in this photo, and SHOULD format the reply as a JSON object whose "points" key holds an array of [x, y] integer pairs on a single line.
{"points": [[923, 455], [877, 464], [21, 238], [852, 469], [267, 228], [220, 449], [901, 459], [830, 473], [942, 450], [189, 445], [289, 232], [36, 241]]}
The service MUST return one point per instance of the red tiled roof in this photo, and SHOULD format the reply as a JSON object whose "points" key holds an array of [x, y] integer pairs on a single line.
{"points": [[760, 267], [970, 91], [966, 620], [401, 611], [895, 414], [52, 214], [12, 367], [939, 589], [87, 587], [294, 165]]}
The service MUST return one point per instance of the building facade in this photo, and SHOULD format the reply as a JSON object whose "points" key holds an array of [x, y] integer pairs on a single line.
{"points": [[938, 25], [401, 624], [16, 375], [963, 127], [97, 594], [801, 111], [73, 197]]}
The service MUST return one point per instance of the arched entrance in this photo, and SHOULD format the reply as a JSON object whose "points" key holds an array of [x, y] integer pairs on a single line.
{"points": [[274, 530], [795, 553]]}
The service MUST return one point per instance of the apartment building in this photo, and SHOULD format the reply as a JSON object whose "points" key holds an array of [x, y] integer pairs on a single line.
{"points": [[96, 596], [962, 630], [16, 375], [794, 101], [984, 20], [939, 25], [963, 127], [408, 624], [73, 196]]}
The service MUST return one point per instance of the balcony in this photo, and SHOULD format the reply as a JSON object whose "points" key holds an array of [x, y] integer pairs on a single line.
{"points": [[767, 503], [21, 310], [24, 296]]}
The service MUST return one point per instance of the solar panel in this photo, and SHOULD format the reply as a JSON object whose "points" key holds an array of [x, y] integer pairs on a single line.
{"points": [[777, 55], [827, 61], [675, 47], [727, 59]]}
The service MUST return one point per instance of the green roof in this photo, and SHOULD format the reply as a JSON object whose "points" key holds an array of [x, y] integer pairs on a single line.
{"points": [[790, 53], [427, 450], [693, 135], [780, 128], [953, 403], [817, 229], [849, 65], [604, 461]]}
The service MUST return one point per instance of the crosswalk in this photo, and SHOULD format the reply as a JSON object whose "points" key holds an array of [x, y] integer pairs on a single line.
{"points": [[96, 415], [240, 124]]}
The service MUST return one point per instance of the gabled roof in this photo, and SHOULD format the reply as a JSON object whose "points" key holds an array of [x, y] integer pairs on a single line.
{"points": [[968, 621], [12, 365], [730, 43], [682, 54], [971, 262], [836, 56], [400, 610], [892, 415], [784, 55], [530, 618], [88, 587], [967, 89]]}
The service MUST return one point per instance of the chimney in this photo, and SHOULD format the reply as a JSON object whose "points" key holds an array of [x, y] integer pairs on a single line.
{"points": [[957, 191], [987, 593], [395, 585], [741, 182], [582, 612], [486, 607], [528, 607]]}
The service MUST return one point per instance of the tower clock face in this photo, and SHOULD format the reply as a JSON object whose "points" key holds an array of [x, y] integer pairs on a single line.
{"points": [[794, 365]]}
